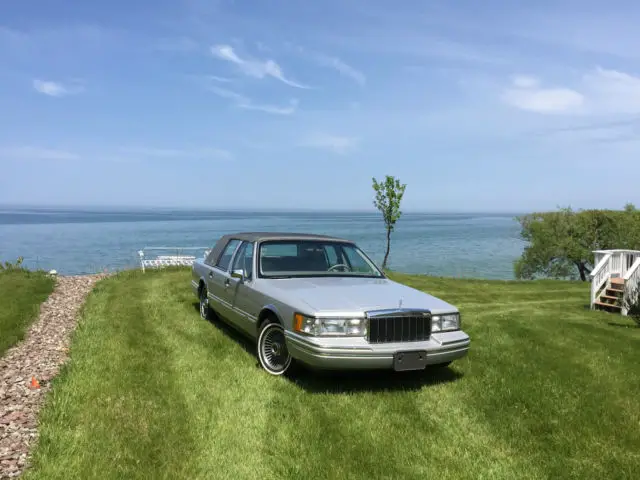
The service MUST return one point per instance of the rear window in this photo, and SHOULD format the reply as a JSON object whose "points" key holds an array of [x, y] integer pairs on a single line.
{"points": [[279, 250]]}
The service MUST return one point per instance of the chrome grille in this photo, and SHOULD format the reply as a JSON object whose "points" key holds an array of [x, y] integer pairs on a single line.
{"points": [[399, 326]]}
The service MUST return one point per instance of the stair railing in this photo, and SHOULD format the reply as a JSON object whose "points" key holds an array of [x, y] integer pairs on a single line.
{"points": [[631, 282], [599, 276]]}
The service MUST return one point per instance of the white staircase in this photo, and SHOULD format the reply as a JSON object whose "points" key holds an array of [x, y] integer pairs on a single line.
{"points": [[615, 279]]}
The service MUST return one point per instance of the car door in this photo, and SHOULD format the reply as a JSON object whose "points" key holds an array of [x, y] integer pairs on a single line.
{"points": [[245, 304], [219, 279]]}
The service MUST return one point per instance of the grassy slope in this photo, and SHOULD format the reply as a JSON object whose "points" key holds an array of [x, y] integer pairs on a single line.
{"points": [[549, 390], [21, 293]]}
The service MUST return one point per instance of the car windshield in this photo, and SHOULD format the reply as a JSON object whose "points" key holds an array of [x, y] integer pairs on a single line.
{"points": [[303, 258]]}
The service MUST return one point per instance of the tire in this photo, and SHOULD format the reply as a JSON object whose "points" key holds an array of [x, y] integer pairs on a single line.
{"points": [[205, 309], [272, 349]]}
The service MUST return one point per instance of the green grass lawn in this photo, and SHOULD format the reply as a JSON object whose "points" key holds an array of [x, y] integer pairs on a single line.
{"points": [[550, 389], [21, 293]]}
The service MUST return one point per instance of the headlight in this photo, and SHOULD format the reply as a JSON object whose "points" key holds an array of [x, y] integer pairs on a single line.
{"points": [[445, 323], [327, 327]]}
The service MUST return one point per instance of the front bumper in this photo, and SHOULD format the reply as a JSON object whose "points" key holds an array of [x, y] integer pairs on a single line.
{"points": [[335, 354]]}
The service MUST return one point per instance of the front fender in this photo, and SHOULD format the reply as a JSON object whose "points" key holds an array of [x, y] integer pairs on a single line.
{"points": [[267, 310]]}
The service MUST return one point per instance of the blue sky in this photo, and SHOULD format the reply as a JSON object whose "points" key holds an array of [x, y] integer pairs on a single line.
{"points": [[503, 106]]}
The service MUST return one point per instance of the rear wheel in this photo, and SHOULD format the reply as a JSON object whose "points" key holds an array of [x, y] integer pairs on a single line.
{"points": [[272, 349], [205, 309]]}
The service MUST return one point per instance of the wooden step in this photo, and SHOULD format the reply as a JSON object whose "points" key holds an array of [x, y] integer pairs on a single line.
{"points": [[617, 281], [609, 297], [614, 290], [607, 305]]}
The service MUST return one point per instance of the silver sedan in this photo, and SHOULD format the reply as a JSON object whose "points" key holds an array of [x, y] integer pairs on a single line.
{"points": [[321, 301]]}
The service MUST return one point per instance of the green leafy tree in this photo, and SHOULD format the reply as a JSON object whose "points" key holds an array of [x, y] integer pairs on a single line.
{"points": [[561, 243], [388, 197]]}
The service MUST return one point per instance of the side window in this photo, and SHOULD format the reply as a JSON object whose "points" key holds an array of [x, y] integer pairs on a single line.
{"points": [[244, 259], [227, 253]]}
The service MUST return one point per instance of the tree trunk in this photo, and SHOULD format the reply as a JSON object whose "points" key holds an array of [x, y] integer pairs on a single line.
{"points": [[582, 268], [386, 255]]}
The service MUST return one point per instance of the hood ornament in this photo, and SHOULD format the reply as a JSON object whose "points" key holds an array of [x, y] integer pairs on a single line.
{"points": [[400, 303]]}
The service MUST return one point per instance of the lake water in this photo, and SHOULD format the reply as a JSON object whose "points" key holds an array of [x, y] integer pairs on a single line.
{"points": [[86, 241]]}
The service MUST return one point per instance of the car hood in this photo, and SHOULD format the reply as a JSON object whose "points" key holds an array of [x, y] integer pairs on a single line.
{"points": [[337, 294]]}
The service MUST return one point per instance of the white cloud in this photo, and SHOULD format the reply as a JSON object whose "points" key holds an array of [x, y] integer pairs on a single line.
{"points": [[274, 109], [55, 89], [246, 103], [599, 92], [525, 81], [124, 154], [52, 89], [343, 68], [544, 100], [171, 153], [230, 94], [334, 143], [611, 91], [220, 79], [36, 153], [329, 61], [254, 68]]}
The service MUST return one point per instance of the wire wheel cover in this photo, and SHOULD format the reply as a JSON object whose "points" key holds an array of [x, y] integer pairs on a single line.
{"points": [[273, 349]]}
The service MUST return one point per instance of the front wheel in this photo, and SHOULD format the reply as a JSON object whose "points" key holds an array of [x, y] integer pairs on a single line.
{"points": [[272, 349]]}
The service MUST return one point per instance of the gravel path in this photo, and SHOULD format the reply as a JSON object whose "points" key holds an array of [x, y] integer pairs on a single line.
{"points": [[38, 356]]}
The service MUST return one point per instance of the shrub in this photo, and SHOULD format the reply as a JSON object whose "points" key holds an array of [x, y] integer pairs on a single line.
{"points": [[12, 266], [632, 304]]}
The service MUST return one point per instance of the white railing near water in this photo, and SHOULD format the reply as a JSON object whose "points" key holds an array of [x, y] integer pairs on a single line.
{"points": [[623, 264], [176, 257]]}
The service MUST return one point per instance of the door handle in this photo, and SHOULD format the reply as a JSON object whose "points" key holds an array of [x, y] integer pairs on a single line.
{"points": [[210, 274], [226, 283]]}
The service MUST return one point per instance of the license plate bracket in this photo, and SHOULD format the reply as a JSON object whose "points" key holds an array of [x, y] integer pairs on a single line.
{"points": [[413, 360]]}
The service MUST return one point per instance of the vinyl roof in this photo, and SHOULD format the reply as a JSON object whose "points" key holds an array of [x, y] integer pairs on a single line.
{"points": [[216, 251], [259, 236]]}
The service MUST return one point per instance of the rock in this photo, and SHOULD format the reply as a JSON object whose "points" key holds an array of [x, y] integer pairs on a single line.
{"points": [[11, 417], [39, 355]]}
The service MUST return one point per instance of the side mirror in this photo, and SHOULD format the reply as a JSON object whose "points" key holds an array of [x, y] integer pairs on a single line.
{"points": [[238, 273]]}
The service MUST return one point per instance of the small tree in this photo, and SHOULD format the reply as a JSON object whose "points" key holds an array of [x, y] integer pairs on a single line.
{"points": [[389, 194]]}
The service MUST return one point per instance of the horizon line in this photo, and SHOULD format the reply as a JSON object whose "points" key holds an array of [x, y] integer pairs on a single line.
{"points": [[241, 209]]}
